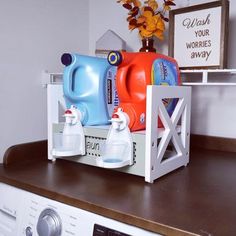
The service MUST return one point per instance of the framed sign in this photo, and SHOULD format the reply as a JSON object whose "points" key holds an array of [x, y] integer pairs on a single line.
{"points": [[198, 35]]}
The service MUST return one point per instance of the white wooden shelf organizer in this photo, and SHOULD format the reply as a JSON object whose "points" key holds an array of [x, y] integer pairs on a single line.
{"points": [[153, 156]]}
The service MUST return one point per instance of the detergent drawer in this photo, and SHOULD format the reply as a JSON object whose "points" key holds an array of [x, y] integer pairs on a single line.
{"points": [[10, 208]]}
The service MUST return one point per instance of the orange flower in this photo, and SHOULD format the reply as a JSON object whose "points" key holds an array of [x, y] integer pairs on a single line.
{"points": [[153, 25], [149, 18], [153, 4]]}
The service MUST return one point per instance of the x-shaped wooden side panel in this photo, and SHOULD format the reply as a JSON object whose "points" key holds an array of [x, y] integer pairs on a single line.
{"points": [[155, 166]]}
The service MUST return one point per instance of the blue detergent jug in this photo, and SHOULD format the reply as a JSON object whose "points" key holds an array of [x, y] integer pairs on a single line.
{"points": [[89, 84]]}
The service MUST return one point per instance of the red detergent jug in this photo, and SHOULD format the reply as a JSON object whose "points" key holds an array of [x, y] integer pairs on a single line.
{"points": [[135, 71]]}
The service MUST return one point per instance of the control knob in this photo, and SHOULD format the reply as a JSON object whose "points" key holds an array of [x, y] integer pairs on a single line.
{"points": [[49, 223]]}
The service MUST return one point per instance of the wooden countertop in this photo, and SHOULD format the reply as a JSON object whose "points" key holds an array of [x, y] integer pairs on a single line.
{"points": [[198, 199]]}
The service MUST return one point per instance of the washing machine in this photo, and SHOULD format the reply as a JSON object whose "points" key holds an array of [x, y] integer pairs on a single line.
{"points": [[28, 214]]}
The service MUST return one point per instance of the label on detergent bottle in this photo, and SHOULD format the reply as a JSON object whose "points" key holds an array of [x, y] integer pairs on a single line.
{"points": [[164, 72], [111, 91]]}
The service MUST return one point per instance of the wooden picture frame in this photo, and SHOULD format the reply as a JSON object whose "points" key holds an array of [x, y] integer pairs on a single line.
{"points": [[198, 35]]}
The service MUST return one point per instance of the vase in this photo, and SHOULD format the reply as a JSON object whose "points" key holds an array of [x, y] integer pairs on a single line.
{"points": [[147, 45]]}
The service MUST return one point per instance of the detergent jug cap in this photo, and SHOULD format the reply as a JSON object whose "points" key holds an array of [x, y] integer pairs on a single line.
{"points": [[66, 59], [114, 58]]}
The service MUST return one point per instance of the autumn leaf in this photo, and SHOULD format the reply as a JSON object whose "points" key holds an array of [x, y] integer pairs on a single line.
{"points": [[132, 24], [166, 7], [127, 6], [145, 9], [160, 25], [129, 18], [136, 3], [166, 19], [141, 19], [134, 12], [145, 33], [159, 34], [153, 4], [169, 3]]}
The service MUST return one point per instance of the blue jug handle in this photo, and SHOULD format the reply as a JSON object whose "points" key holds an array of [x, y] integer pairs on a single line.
{"points": [[68, 79]]}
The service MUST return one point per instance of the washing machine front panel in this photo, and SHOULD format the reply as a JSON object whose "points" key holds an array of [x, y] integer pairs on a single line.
{"points": [[26, 214]]}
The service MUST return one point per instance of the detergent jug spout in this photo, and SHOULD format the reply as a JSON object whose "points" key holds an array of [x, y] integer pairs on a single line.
{"points": [[72, 116], [119, 120], [71, 141], [118, 149]]}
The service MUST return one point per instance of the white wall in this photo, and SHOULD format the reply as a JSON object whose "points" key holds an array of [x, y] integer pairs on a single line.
{"points": [[33, 36], [213, 108]]}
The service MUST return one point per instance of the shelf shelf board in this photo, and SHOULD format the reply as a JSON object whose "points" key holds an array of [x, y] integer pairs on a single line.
{"points": [[209, 84], [204, 77], [232, 71]]}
